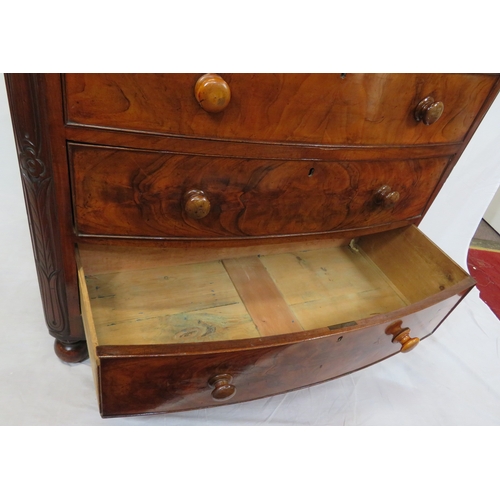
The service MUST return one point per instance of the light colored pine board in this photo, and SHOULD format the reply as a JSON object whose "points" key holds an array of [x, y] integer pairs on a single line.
{"points": [[330, 286], [88, 324], [228, 322], [350, 307], [413, 263], [160, 291], [97, 259], [263, 300], [157, 305]]}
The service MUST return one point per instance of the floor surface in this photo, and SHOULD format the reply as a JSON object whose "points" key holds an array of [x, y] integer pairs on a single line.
{"points": [[485, 236], [483, 261]]}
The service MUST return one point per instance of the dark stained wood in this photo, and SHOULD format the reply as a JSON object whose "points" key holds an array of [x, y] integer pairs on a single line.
{"points": [[228, 244], [222, 387], [247, 149], [309, 108], [134, 193], [74, 352], [261, 297], [42, 186]]}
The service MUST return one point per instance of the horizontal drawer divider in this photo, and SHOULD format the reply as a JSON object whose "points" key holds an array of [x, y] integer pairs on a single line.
{"points": [[137, 141]]}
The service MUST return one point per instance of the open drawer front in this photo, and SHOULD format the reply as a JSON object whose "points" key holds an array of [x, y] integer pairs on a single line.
{"points": [[178, 329]]}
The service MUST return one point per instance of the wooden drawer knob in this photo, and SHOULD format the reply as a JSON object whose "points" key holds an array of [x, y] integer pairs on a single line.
{"points": [[196, 204], [428, 111], [222, 388], [386, 197], [212, 93], [402, 335]]}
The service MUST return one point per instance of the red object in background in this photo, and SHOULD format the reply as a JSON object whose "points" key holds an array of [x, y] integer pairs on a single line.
{"points": [[484, 267]]}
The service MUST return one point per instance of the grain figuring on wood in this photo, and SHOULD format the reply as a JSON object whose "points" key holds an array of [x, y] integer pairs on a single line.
{"points": [[309, 108], [133, 193]]}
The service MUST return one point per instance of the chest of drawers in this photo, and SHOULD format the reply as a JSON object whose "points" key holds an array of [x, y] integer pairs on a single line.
{"points": [[211, 239]]}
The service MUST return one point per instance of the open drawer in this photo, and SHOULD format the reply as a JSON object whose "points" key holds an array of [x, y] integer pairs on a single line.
{"points": [[178, 329]]}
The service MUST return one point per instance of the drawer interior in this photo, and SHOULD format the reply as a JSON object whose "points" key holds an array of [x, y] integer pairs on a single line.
{"points": [[139, 296]]}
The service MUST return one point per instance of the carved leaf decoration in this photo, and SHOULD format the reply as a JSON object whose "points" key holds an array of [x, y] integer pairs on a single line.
{"points": [[38, 186]]}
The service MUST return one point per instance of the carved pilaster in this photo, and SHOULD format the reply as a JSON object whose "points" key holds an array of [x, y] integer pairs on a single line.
{"points": [[30, 123]]}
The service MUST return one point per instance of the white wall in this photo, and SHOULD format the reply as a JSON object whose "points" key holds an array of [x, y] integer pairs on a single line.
{"points": [[458, 209]]}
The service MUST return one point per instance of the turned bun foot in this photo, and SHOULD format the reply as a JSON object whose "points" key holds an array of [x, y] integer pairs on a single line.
{"points": [[71, 353]]}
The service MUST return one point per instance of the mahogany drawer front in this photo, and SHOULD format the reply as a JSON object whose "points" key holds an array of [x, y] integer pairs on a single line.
{"points": [[119, 192], [131, 383], [352, 109]]}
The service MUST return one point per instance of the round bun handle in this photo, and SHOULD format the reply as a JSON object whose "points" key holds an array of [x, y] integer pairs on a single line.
{"points": [[212, 93], [196, 204], [386, 197], [428, 111], [222, 387], [401, 335]]}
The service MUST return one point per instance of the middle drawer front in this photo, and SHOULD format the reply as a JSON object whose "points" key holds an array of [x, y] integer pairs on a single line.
{"points": [[119, 192]]}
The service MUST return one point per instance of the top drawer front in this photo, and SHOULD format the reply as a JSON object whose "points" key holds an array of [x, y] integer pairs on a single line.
{"points": [[349, 109]]}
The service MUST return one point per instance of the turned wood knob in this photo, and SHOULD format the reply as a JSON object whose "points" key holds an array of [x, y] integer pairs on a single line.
{"points": [[402, 335], [222, 388], [428, 111], [212, 93], [386, 196], [196, 204]]}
